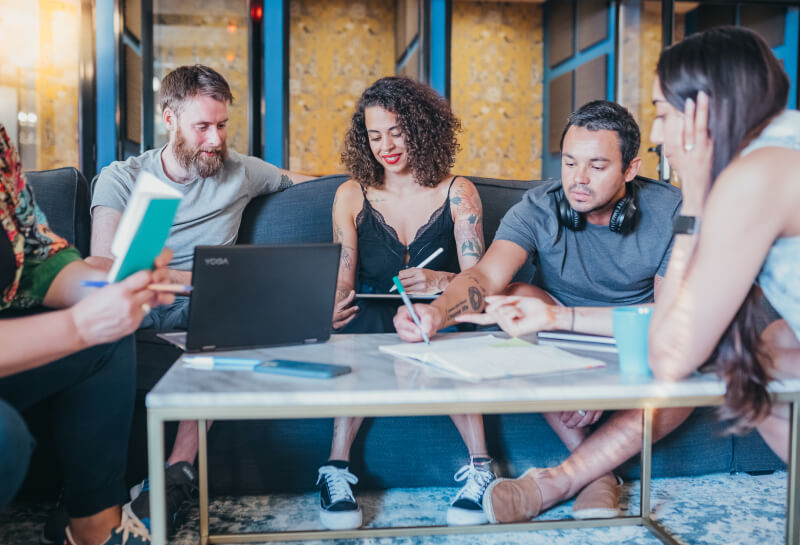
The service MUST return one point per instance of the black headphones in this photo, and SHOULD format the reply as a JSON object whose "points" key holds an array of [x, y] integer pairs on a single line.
{"points": [[623, 219]]}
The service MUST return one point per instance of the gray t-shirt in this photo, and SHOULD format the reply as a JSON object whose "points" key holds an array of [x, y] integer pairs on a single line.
{"points": [[211, 209], [595, 266]]}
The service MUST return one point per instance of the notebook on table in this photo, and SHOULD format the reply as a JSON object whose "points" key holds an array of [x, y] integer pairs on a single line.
{"points": [[260, 295], [489, 357], [578, 341]]}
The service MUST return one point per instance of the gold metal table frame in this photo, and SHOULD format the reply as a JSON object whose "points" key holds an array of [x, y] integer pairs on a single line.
{"points": [[157, 416]]}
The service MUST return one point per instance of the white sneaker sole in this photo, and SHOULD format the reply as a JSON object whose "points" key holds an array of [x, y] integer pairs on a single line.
{"points": [[457, 516], [340, 520]]}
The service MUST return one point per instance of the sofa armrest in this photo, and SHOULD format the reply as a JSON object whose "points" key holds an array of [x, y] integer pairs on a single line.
{"points": [[63, 196]]}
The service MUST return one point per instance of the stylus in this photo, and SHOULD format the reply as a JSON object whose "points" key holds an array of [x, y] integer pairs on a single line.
{"points": [[424, 262]]}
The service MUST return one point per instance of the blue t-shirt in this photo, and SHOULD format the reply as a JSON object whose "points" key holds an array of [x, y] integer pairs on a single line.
{"points": [[595, 266]]}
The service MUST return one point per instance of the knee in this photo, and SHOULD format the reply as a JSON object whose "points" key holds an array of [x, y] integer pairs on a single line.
{"points": [[521, 289], [16, 447]]}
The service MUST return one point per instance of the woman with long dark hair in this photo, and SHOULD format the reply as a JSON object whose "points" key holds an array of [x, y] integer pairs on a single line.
{"points": [[720, 99]]}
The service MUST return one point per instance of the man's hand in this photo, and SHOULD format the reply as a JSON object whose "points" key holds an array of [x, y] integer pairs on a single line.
{"points": [[429, 316], [517, 315], [580, 419], [424, 280], [343, 313]]}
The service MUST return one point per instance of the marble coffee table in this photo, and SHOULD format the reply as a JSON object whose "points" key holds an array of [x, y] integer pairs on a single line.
{"points": [[382, 385]]}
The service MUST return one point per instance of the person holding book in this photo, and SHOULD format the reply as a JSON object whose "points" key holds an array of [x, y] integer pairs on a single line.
{"points": [[86, 367], [401, 208], [597, 237], [216, 185]]}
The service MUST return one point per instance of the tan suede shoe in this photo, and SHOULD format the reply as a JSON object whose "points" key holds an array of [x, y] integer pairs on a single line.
{"points": [[513, 500], [598, 500]]}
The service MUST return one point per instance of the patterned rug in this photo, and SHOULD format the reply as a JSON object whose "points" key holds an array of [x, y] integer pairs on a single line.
{"points": [[717, 509]]}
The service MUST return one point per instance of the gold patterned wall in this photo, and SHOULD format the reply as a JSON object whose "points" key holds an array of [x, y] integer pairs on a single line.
{"points": [[337, 48], [210, 33], [39, 80], [496, 88]]}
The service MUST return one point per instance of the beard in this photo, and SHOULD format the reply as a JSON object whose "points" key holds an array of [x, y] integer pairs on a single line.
{"points": [[195, 161]]}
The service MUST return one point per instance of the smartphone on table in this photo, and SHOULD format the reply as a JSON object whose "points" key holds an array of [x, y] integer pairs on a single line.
{"points": [[306, 369]]}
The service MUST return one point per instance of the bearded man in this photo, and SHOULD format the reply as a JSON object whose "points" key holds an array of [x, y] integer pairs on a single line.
{"points": [[216, 184]]}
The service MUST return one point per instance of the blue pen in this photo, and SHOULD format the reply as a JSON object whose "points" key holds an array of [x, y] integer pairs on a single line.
{"points": [[171, 288], [407, 302], [220, 363]]}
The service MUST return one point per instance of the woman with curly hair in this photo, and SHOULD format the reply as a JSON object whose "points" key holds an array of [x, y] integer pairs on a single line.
{"points": [[400, 206]]}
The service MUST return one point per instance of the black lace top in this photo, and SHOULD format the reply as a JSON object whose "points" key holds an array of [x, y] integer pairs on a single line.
{"points": [[381, 256]]}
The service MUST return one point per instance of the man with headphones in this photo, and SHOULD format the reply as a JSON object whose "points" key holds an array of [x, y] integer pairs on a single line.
{"points": [[598, 238]]}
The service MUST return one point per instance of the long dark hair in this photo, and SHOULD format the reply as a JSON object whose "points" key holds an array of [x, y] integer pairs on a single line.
{"points": [[747, 87], [428, 124]]}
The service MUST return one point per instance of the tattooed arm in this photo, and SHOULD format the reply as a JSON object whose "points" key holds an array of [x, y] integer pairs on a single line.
{"points": [[346, 204], [288, 179], [467, 210], [467, 291]]}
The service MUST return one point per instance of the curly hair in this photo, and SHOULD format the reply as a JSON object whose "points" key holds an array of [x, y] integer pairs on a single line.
{"points": [[428, 125]]}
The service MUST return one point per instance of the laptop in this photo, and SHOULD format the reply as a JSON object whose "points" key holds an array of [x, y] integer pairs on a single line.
{"points": [[253, 296]]}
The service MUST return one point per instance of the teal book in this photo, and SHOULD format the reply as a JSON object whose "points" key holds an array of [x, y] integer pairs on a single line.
{"points": [[144, 227]]}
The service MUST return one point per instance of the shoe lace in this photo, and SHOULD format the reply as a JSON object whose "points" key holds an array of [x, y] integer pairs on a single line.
{"points": [[132, 527], [477, 481], [338, 482]]}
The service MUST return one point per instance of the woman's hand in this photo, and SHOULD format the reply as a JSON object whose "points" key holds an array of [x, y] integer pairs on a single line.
{"points": [[694, 161], [517, 315], [343, 313], [115, 310], [424, 280]]}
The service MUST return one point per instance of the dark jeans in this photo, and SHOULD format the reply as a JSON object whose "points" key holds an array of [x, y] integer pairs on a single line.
{"points": [[16, 447], [91, 396], [168, 317]]}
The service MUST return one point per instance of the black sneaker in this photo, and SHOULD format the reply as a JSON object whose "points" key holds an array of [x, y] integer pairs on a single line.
{"points": [[181, 485], [130, 532], [338, 509], [466, 508], [55, 528]]}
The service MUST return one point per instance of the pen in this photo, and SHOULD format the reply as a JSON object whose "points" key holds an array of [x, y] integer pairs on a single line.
{"points": [[424, 262], [220, 363], [407, 302], [172, 288]]}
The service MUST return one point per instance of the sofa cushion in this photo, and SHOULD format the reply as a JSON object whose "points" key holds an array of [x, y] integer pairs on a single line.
{"points": [[63, 196]]}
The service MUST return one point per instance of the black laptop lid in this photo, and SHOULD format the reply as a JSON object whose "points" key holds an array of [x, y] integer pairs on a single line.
{"points": [[254, 296]]}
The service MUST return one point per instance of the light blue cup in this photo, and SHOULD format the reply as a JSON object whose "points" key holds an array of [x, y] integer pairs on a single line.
{"points": [[630, 331]]}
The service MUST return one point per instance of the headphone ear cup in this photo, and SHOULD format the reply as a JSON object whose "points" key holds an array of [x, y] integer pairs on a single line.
{"points": [[568, 217], [623, 218]]}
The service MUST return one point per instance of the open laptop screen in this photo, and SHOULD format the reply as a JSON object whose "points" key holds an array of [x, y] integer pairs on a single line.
{"points": [[261, 295]]}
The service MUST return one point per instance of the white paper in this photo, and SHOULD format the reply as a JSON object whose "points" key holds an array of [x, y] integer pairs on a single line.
{"points": [[490, 357]]}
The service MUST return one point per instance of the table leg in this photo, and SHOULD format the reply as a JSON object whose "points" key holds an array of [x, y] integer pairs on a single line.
{"points": [[202, 467], [155, 454], [793, 472], [647, 456]]}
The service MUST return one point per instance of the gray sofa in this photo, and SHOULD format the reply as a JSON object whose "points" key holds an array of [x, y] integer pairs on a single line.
{"points": [[282, 456]]}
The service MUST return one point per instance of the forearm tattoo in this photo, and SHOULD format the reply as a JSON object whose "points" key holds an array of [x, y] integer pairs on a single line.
{"points": [[286, 182]]}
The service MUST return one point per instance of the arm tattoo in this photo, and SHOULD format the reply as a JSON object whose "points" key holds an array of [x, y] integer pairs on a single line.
{"points": [[285, 183], [469, 226], [347, 258]]}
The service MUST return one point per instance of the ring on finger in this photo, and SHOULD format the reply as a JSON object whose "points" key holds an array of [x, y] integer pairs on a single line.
{"points": [[146, 308], [582, 412], [688, 147]]}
